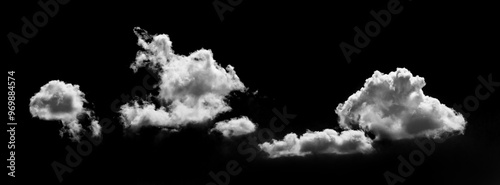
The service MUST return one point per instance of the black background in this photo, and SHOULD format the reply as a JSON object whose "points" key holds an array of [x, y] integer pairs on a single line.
{"points": [[289, 52]]}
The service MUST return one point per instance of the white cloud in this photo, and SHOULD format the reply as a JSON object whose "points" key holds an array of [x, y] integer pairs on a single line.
{"points": [[95, 128], [57, 101], [394, 106], [64, 102], [192, 88], [235, 127], [319, 142]]}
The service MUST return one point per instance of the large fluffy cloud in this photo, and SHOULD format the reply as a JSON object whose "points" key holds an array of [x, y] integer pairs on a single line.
{"points": [[394, 106], [326, 141], [235, 127], [64, 102], [192, 88], [391, 106]]}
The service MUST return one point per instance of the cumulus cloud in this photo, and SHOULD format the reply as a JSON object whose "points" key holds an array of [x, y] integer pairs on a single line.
{"points": [[394, 106], [235, 127], [391, 106], [319, 142], [192, 88], [63, 102]]}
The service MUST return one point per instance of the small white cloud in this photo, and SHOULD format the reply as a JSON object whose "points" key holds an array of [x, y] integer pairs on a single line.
{"points": [[192, 88], [64, 102], [394, 106], [319, 142], [95, 128], [57, 101], [235, 127]]}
